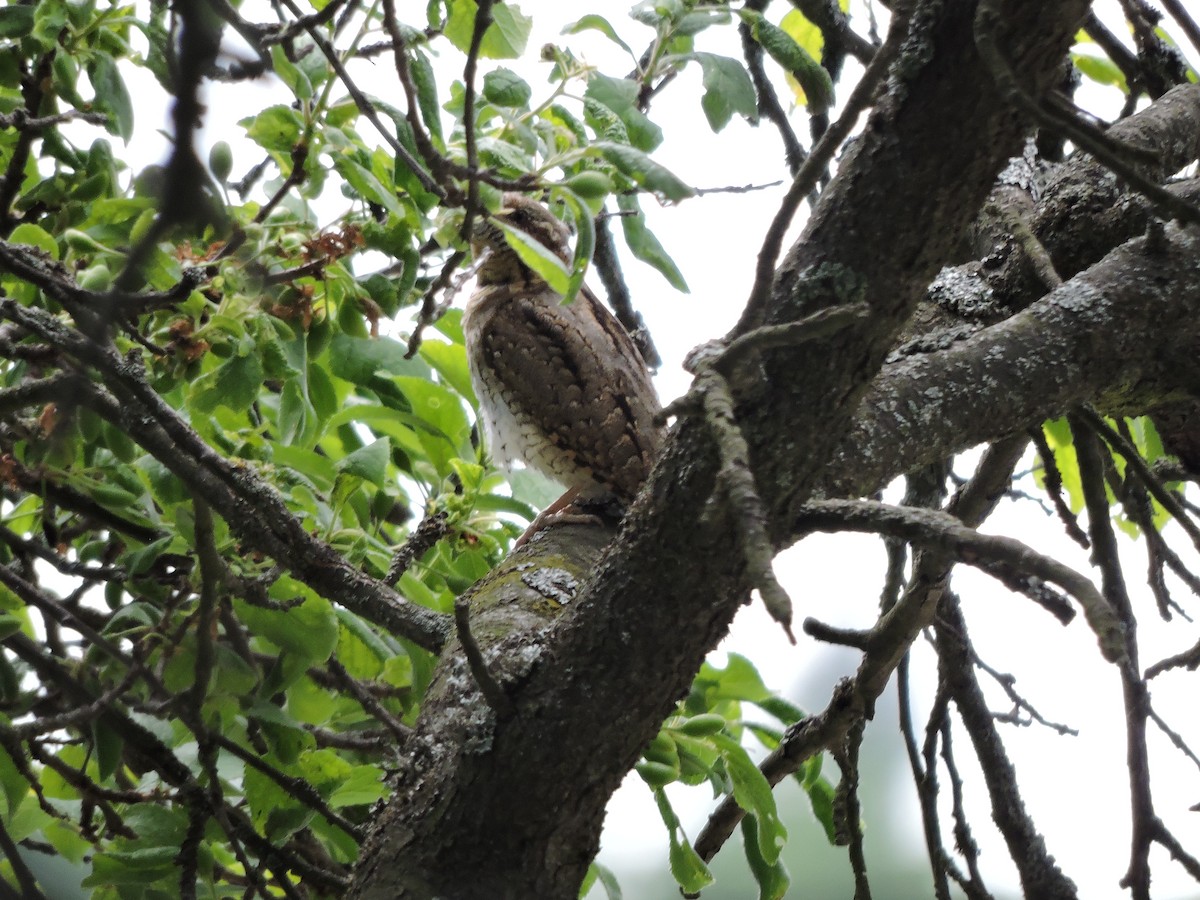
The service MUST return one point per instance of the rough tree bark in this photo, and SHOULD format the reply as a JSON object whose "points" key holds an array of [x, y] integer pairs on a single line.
{"points": [[594, 646]]}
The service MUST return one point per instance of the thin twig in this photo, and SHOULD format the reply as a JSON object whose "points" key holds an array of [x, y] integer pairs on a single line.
{"points": [[806, 178], [1109, 152], [400, 732], [367, 108], [483, 19], [1007, 683], [429, 306], [1052, 479], [32, 96], [736, 480], [1186, 23], [767, 100], [1152, 483], [948, 534], [493, 692], [431, 530]]}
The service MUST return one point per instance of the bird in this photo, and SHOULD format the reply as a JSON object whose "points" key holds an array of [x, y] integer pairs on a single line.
{"points": [[562, 387]]}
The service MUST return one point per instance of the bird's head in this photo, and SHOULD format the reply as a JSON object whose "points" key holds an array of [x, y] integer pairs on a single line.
{"points": [[498, 262]]}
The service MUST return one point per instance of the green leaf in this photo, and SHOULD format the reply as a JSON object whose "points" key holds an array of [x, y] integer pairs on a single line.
{"points": [[369, 462], [309, 630], [363, 785], [1058, 436], [506, 88], [446, 429], [620, 96], [450, 362], [772, 877], [15, 21], [112, 95], [358, 360], [367, 185], [109, 746], [505, 37], [34, 236], [594, 22], [804, 32], [544, 261], [1099, 68], [234, 384], [49, 17], [739, 680], [727, 90], [10, 624], [644, 171], [822, 798], [815, 84], [753, 793], [687, 867], [585, 239], [645, 245], [134, 867], [427, 98], [291, 74], [604, 121], [607, 879], [275, 128]]}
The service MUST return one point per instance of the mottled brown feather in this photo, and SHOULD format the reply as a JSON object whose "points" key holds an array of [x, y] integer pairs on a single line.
{"points": [[561, 387]]}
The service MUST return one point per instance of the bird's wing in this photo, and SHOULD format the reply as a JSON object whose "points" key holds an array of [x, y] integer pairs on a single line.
{"points": [[574, 372]]}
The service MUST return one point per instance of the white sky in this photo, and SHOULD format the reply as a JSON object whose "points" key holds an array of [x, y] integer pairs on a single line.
{"points": [[1074, 787]]}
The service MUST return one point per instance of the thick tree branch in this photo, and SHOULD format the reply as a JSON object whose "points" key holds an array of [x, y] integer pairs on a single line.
{"points": [[1037, 364]]}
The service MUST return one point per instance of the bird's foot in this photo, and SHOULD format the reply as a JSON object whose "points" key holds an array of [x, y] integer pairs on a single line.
{"points": [[568, 509]]}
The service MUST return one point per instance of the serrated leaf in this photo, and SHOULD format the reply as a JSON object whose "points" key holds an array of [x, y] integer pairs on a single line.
{"points": [[368, 463], [275, 128], [234, 384], [753, 793], [727, 90], [506, 88], [505, 37]]}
